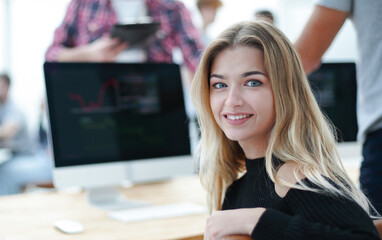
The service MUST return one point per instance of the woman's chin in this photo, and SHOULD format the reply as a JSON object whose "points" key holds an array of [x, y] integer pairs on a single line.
{"points": [[234, 137]]}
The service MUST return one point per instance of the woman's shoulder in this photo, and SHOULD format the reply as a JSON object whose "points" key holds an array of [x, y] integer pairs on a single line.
{"points": [[287, 173], [237, 183]]}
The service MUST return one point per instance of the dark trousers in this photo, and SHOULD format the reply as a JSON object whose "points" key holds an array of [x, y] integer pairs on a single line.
{"points": [[371, 169]]}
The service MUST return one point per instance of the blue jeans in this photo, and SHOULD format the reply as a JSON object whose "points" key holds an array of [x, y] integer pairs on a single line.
{"points": [[17, 172], [371, 169]]}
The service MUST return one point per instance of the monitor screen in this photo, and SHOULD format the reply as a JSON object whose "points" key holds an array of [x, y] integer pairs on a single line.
{"points": [[115, 112], [105, 115], [335, 88]]}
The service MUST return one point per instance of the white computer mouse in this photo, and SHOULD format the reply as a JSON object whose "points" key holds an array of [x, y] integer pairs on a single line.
{"points": [[69, 226]]}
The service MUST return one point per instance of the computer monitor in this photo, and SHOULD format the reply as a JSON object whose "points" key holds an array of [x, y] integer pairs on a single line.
{"points": [[335, 88], [112, 122]]}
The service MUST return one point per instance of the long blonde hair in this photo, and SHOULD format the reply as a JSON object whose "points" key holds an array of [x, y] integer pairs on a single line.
{"points": [[301, 133]]}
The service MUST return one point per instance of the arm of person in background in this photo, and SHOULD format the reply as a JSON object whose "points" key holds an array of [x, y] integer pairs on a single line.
{"points": [[63, 48], [8, 130], [104, 49], [187, 38], [11, 125], [318, 34]]}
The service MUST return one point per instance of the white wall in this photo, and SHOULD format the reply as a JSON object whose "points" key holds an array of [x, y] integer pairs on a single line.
{"points": [[2, 34], [231, 12], [32, 24], [290, 15]]}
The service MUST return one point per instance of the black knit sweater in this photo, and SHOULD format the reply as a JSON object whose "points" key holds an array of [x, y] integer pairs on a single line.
{"points": [[300, 214]]}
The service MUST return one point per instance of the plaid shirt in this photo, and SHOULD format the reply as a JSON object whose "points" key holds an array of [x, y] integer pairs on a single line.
{"points": [[86, 21]]}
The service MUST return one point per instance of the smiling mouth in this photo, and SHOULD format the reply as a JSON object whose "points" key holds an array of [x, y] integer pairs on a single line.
{"points": [[238, 117]]}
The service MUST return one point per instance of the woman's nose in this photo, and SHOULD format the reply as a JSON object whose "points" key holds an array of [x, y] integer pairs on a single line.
{"points": [[234, 98]]}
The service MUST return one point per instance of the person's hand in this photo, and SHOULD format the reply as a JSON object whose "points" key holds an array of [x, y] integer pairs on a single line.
{"points": [[105, 49], [232, 222]]}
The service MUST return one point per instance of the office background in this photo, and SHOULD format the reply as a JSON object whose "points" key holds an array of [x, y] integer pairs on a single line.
{"points": [[26, 30]]}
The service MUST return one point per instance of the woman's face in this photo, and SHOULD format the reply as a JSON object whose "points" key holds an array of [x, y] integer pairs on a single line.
{"points": [[241, 96]]}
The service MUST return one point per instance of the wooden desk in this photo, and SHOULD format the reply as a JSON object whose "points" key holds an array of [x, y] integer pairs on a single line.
{"points": [[31, 216]]}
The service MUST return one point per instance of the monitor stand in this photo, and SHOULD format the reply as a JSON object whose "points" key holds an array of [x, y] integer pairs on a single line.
{"points": [[110, 198]]}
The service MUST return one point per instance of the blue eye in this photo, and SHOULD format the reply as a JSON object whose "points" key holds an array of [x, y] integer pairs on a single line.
{"points": [[219, 85], [254, 83]]}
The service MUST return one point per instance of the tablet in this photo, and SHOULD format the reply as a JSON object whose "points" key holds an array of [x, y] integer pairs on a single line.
{"points": [[135, 34]]}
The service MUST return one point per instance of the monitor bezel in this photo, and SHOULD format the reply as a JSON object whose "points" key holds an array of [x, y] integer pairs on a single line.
{"points": [[95, 175]]}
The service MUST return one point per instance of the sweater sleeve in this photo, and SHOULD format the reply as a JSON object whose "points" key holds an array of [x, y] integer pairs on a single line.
{"points": [[316, 216], [63, 33], [187, 37]]}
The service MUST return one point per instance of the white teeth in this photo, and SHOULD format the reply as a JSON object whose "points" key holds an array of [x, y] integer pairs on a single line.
{"points": [[237, 117]]}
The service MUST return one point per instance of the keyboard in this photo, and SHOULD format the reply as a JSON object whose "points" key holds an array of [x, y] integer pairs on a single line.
{"points": [[157, 212]]}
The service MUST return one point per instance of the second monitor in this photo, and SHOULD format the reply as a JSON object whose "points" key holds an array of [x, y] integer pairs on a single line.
{"points": [[335, 88]]}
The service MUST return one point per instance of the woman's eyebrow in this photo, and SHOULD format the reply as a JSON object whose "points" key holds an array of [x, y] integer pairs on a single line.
{"points": [[246, 74], [217, 76]]}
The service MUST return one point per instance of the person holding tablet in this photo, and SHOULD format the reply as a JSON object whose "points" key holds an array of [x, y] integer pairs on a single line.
{"points": [[84, 34], [268, 158]]}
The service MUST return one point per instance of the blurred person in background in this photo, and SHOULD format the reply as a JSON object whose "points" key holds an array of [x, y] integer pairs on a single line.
{"points": [[322, 27], [208, 10], [84, 33], [265, 15], [20, 163], [13, 129]]}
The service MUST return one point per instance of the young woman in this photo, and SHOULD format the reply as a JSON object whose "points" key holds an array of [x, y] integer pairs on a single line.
{"points": [[267, 154]]}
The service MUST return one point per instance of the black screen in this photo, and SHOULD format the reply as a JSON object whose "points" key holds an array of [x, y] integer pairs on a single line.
{"points": [[335, 88], [104, 112]]}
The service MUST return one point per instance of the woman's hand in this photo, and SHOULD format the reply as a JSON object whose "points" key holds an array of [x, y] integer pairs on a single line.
{"points": [[229, 222]]}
